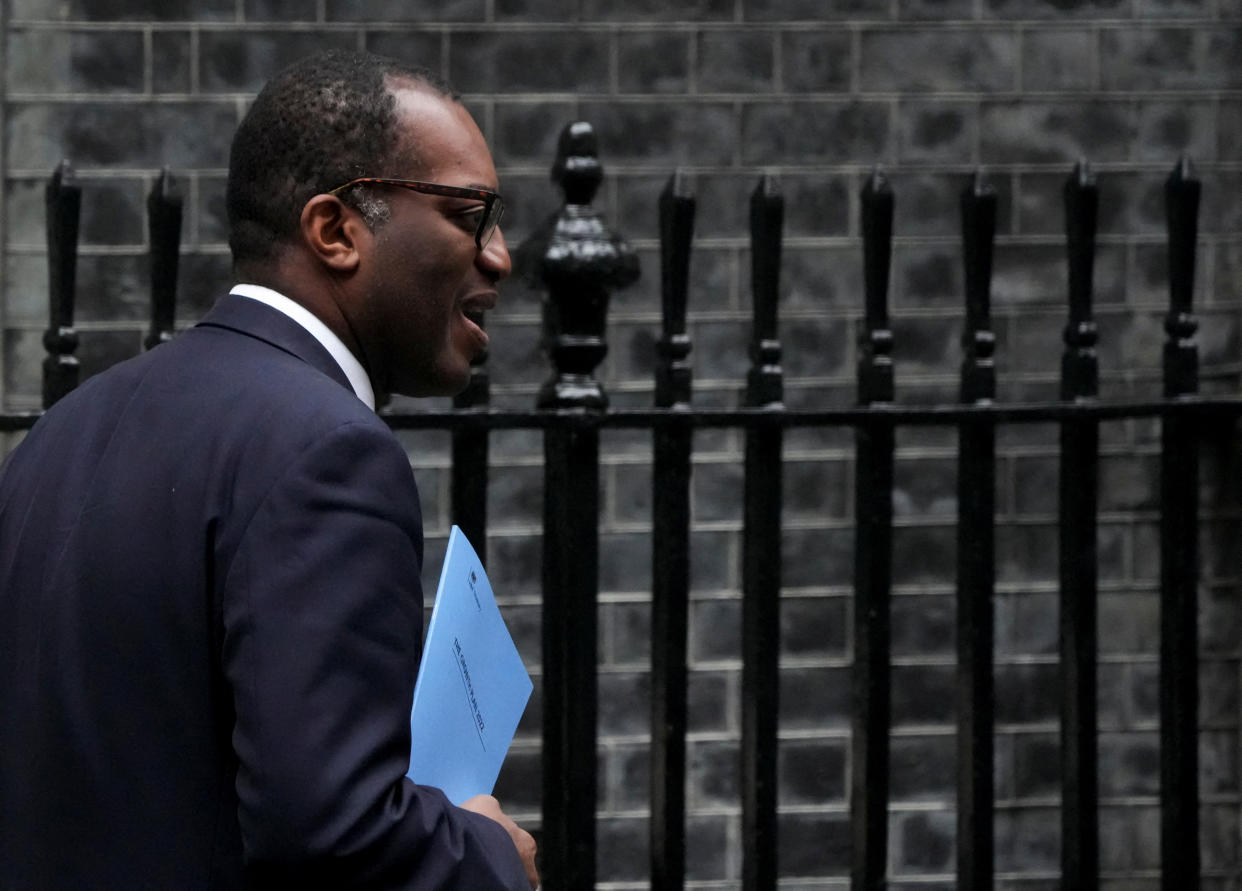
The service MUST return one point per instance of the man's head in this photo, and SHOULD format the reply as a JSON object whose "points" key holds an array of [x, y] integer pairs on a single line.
{"points": [[321, 122], [394, 271]]}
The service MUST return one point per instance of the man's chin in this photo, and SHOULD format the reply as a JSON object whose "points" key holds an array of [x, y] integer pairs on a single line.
{"points": [[444, 382]]}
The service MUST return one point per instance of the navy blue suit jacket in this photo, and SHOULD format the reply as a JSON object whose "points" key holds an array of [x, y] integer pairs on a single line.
{"points": [[210, 627]]}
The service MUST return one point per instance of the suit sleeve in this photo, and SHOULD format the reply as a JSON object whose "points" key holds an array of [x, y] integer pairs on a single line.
{"points": [[322, 609]]}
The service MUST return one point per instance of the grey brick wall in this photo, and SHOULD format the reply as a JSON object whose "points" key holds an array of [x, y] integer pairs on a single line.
{"points": [[817, 92]]}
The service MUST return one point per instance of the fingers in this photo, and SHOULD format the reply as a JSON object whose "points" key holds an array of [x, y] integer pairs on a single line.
{"points": [[525, 844], [522, 840], [485, 805]]}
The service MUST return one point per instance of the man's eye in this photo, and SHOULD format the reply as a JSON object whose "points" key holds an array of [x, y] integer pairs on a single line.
{"points": [[469, 219]]}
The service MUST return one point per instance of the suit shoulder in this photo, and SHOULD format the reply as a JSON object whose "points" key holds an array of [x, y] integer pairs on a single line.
{"points": [[265, 384]]}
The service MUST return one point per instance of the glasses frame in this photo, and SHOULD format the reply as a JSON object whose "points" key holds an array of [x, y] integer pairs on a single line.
{"points": [[493, 204]]}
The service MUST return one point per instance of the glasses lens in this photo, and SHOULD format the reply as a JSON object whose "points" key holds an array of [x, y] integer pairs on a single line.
{"points": [[487, 228]]}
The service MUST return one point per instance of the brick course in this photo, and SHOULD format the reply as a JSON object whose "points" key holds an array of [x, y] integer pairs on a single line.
{"points": [[816, 93]]}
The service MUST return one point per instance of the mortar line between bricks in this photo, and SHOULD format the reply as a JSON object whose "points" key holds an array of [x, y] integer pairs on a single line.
{"points": [[673, 26], [708, 387], [795, 242], [109, 173], [621, 169]]}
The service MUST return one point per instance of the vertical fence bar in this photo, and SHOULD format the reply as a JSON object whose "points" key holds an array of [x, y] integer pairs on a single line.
{"points": [[470, 447], [670, 562], [761, 550], [975, 550], [1179, 546], [63, 197], [1079, 484], [873, 544], [570, 628], [579, 263], [164, 210]]}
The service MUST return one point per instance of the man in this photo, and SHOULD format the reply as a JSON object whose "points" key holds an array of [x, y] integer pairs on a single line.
{"points": [[210, 610]]}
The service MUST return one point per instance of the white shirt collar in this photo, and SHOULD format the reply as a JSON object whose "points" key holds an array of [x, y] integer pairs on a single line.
{"points": [[316, 328]]}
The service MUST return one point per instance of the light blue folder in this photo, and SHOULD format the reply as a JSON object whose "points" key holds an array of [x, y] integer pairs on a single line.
{"points": [[472, 687]]}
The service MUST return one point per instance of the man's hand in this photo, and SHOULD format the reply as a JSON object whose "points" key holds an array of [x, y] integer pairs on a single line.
{"points": [[490, 807]]}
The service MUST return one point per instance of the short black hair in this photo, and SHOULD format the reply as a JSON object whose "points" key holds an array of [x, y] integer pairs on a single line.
{"points": [[321, 122]]}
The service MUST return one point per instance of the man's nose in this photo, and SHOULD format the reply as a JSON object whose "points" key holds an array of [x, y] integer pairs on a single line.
{"points": [[494, 258]]}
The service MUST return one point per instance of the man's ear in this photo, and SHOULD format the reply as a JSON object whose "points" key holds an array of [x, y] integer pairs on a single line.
{"points": [[333, 232]]}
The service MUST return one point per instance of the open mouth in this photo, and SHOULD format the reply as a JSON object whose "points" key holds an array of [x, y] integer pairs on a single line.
{"points": [[474, 324]]}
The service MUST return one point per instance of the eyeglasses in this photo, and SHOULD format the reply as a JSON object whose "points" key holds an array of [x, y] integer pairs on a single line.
{"points": [[493, 204]]}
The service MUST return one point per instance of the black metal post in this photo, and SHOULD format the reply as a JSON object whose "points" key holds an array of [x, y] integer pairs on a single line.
{"points": [[976, 551], [761, 550], [873, 551], [1079, 484], [570, 628], [63, 197], [580, 262], [1179, 553], [670, 581], [164, 206]]}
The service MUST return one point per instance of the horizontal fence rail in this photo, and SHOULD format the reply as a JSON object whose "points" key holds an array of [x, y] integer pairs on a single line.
{"points": [[1213, 411], [580, 262]]}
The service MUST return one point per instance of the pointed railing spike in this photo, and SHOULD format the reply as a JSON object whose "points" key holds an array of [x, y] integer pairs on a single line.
{"points": [[677, 211], [1182, 191], [978, 205], [164, 215], [767, 215], [1179, 550], [875, 364], [1079, 366], [63, 197]]}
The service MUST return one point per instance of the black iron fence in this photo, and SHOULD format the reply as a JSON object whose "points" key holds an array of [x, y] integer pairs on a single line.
{"points": [[579, 262]]}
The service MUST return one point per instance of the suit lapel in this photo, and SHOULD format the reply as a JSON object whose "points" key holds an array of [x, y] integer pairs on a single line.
{"points": [[260, 321]]}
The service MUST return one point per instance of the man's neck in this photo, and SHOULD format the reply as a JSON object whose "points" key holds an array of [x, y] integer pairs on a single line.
{"points": [[319, 329]]}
